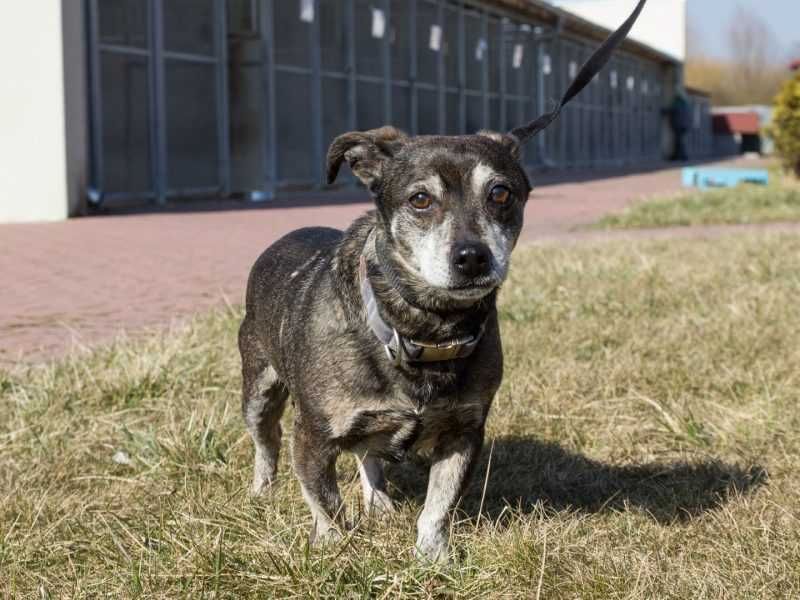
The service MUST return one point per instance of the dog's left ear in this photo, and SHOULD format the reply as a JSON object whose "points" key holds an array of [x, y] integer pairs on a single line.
{"points": [[587, 72], [365, 152]]}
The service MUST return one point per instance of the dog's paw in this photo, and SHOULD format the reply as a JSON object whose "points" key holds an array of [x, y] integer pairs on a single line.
{"points": [[432, 549], [261, 486], [324, 537], [379, 504], [265, 472]]}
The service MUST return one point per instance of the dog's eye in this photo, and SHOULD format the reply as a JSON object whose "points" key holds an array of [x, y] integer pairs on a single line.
{"points": [[421, 200], [500, 194]]}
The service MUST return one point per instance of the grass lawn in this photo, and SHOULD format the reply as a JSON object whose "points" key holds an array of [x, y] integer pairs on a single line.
{"points": [[645, 444], [778, 201]]}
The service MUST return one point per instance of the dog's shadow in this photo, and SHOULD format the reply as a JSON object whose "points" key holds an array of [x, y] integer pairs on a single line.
{"points": [[525, 471]]}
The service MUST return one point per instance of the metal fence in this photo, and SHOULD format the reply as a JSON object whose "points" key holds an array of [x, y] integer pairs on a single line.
{"points": [[158, 101], [243, 96], [617, 118]]}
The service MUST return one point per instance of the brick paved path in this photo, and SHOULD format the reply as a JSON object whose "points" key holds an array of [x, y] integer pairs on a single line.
{"points": [[82, 282]]}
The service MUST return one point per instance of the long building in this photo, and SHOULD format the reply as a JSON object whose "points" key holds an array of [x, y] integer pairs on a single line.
{"points": [[146, 101]]}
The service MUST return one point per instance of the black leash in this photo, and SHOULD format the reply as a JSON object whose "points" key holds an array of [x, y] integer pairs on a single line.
{"points": [[589, 69]]}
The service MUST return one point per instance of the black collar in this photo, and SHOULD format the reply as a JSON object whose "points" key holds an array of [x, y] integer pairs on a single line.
{"points": [[400, 349]]}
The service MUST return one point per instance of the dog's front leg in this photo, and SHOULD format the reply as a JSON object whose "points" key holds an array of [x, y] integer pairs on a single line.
{"points": [[315, 466], [450, 470]]}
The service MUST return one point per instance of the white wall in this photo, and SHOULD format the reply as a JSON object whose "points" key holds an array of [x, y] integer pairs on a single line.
{"points": [[33, 177], [662, 24]]}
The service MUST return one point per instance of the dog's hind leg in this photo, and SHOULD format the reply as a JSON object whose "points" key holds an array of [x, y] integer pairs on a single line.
{"points": [[263, 400], [373, 484], [315, 466]]}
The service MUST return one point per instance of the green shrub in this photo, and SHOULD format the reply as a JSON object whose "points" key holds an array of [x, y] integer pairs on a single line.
{"points": [[785, 129]]}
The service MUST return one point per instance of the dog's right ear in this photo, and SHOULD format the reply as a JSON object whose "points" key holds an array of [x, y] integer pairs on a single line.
{"points": [[365, 152]]}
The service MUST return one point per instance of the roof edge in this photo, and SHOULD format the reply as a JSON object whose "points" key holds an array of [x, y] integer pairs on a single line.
{"points": [[694, 91], [572, 23]]}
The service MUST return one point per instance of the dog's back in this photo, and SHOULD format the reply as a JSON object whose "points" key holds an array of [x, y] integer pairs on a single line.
{"points": [[284, 286], [282, 283]]}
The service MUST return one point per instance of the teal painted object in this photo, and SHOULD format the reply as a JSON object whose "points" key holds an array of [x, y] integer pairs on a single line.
{"points": [[714, 178]]}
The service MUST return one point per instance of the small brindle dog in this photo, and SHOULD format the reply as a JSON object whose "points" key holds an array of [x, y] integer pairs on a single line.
{"points": [[385, 335]]}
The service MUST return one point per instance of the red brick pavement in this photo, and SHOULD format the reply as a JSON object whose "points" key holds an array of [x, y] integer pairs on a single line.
{"points": [[82, 282]]}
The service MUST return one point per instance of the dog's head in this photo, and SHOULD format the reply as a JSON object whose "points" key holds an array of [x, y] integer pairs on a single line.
{"points": [[451, 207]]}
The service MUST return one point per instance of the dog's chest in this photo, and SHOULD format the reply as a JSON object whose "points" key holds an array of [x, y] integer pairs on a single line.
{"points": [[393, 428]]}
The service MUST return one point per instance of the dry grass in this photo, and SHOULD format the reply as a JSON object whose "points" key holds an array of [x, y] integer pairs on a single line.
{"points": [[649, 390], [744, 204]]}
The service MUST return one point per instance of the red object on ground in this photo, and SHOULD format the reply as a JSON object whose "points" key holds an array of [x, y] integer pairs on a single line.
{"points": [[795, 65], [736, 122]]}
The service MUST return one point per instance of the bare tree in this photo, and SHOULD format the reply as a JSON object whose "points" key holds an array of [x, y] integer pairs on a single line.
{"points": [[756, 60], [695, 46]]}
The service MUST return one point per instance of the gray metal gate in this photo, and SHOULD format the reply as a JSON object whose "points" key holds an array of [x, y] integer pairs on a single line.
{"points": [[194, 97], [425, 66], [159, 102]]}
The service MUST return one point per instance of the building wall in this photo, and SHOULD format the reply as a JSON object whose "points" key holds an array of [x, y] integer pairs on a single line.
{"points": [[296, 80], [33, 140], [44, 146], [764, 113], [662, 24]]}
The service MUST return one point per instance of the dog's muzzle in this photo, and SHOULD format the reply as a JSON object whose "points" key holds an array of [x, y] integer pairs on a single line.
{"points": [[400, 349]]}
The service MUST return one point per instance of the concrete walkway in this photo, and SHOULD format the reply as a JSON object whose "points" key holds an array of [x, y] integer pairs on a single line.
{"points": [[83, 281]]}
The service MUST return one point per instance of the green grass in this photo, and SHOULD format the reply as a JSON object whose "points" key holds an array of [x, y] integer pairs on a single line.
{"points": [[747, 203], [645, 444]]}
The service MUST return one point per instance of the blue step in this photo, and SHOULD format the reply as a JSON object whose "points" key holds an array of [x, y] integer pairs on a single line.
{"points": [[711, 178]]}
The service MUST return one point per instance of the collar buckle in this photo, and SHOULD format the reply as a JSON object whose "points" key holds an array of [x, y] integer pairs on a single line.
{"points": [[395, 354]]}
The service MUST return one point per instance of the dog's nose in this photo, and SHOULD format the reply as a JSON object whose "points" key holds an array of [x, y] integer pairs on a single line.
{"points": [[471, 259]]}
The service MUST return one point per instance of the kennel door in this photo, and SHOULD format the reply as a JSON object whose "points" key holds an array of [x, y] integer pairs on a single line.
{"points": [[192, 75]]}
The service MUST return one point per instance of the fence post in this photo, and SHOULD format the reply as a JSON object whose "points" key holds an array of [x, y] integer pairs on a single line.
{"points": [[412, 75], [268, 82], [158, 116], [223, 110], [386, 55], [442, 100], [316, 96]]}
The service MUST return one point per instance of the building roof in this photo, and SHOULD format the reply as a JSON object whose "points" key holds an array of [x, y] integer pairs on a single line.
{"points": [[560, 19], [746, 123]]}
